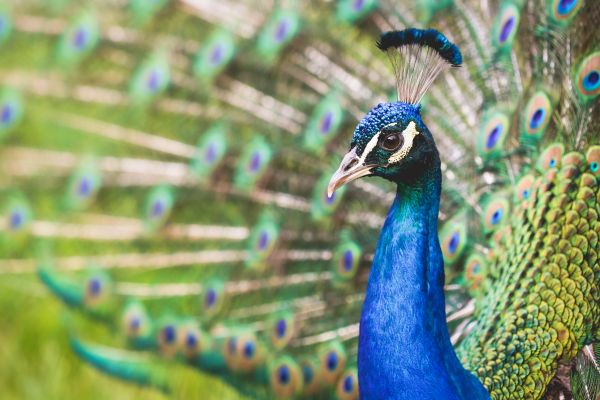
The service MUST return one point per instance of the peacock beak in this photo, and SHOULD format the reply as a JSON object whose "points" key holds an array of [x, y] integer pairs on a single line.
{"points": [[351, 168]]}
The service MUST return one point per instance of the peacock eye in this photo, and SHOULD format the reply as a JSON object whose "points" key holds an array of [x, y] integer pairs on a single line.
{"points": [[392, 142]]}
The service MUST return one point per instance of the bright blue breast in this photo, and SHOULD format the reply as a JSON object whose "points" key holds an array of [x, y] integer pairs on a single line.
{"points": [[404, 346]]}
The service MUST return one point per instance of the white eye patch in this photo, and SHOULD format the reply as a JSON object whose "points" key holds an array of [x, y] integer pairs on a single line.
{"points": [[368, 148], [409, 135]]}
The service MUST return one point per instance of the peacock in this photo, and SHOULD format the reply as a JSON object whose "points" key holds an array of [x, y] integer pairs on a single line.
{"points": [[177, 174]]}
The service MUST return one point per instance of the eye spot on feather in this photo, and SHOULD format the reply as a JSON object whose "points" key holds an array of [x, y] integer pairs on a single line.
{"points": [[348, 260], [135, 320], [550, 157], [280, 328], [210, 150], [348, 384], [285, 377], [158, 208], [94, 287], [493, 137], [357, 5], [332, 361], [563, 10], [284, 374], [134, 324], [507, 28], [7, 114], [216, 54], [492, 133], [263, 241], [591, 81], [525, 188], [497, 216], [326, 123], [16, 219], [587, 81], [80, 38], [255, 161], [249, 349], [454, 242], [11, 110], [84, 188], [474, 270], [453, 238], [153, 80], [169, 334], [150, 78], [158, 205], [281, 31], [210, 298], [210, 154], [537, 118], [324, 206], [593, 159], [566, 6], [495, 212], [191, 341]]}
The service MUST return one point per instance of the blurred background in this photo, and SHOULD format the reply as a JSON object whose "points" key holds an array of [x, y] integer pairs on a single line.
{"points": [[153, 143]]}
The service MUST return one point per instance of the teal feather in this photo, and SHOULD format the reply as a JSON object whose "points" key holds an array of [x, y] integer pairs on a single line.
{"points": [[130, 367]]}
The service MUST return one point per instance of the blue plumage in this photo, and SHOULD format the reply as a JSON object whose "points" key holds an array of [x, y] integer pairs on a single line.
{"points": [[381, 115], [403, 316]]}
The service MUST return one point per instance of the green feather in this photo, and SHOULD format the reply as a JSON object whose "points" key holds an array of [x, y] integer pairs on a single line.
{"points": [[354, 10], [214, 55], [279, 30], [127, 366]]}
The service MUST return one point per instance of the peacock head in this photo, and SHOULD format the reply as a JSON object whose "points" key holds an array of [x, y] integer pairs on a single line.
{"points": [[392, 141]]}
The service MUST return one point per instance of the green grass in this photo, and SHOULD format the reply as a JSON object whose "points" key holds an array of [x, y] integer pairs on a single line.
{"points": [[37, 363]]}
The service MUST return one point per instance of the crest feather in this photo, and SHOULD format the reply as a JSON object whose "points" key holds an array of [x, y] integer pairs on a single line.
{"points": [[418, 57]]}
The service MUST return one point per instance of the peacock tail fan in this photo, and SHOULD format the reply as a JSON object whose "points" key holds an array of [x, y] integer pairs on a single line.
{"points": [[164, 170]]}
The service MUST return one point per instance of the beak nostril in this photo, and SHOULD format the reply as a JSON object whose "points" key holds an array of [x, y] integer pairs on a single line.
{"points": [[351, 164]]}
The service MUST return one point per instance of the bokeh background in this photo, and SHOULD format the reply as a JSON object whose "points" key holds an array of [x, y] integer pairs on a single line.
{"points": [[250, 100]]}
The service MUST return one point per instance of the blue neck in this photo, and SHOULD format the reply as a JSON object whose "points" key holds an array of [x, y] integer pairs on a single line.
{"points": [[404, 346]]}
